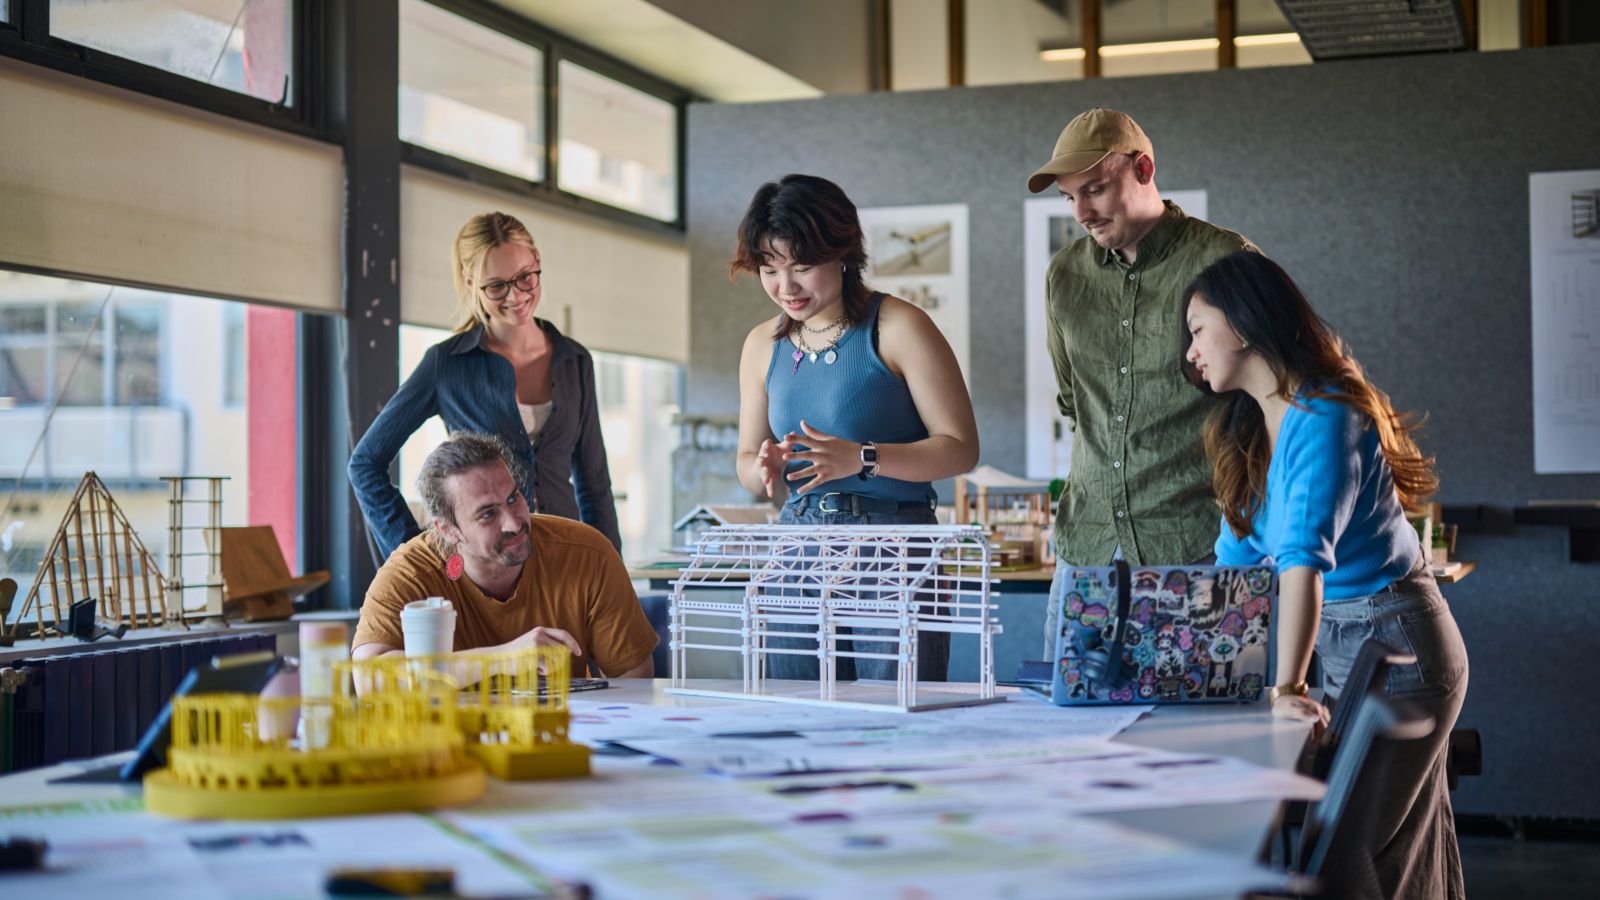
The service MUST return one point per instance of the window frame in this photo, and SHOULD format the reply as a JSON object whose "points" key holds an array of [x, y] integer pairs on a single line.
{"points": [[27, 38], [554, 49]]}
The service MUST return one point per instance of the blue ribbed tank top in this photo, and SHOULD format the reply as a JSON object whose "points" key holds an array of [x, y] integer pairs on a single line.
{"points": [[856, 398]]}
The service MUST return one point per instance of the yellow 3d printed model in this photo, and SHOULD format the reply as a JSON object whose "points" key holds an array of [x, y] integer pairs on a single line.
{"points": [[409, 739], [514, 720]]}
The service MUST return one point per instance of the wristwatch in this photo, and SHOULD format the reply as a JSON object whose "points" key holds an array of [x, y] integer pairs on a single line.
{"points": [[1299, 689], [869, 461]]}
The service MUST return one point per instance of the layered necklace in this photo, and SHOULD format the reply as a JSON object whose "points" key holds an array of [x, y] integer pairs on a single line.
{"points": [[826, 351]]}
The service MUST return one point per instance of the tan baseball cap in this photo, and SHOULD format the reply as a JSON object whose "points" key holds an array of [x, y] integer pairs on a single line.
{"points": [[1086, 140]]}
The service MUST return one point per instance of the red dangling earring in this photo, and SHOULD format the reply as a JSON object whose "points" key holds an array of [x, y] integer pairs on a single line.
{"points": [[454, 566]]}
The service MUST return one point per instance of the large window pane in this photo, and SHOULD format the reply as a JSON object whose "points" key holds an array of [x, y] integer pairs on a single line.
{"points": [[619, 145], [137, 373], [470, 92], [638, 399], [242, 45], [414, 342]]}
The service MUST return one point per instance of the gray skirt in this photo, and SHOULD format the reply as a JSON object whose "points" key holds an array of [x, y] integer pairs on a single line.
{"points": [[1412, 849]]}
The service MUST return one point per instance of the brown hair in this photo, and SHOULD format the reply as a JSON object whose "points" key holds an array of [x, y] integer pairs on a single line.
{"points": [[463, 451], [819, 223], [482, 233], [1270, 314]]}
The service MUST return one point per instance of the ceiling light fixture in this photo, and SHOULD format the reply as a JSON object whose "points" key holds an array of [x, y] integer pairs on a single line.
{"points": [[1072, 54]]}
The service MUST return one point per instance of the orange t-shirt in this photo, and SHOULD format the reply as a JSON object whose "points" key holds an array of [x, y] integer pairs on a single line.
{"points": [[573, 580]]}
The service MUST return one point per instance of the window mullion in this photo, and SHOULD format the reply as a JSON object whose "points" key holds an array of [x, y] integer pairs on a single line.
{"points": [[552, 99], [108, 353], [33, 17]]}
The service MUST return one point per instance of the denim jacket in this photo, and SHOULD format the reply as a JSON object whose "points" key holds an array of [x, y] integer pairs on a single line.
{"points": [[474, 389]]}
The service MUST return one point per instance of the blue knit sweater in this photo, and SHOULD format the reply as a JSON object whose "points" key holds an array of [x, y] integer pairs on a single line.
{"points": [[1330, 505]]}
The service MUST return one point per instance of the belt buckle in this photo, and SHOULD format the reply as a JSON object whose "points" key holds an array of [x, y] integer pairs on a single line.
{"points": [[822, 503]]}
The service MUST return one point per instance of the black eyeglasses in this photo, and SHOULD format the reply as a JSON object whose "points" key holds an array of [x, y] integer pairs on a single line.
{"points": [[527, 281]]}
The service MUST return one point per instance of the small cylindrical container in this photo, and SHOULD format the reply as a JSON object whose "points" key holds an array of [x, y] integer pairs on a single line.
{"points": [[429, 627], [322, 644]]}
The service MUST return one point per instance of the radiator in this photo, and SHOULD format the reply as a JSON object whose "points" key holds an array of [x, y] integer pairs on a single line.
{"points": [[76, 705]]}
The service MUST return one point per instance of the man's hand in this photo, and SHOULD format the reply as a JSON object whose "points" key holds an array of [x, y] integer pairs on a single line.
{"points": [[829, 457], [547, 637]]}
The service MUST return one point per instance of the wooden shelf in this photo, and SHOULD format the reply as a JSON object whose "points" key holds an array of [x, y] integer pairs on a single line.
{"points": [[1582, 521]]}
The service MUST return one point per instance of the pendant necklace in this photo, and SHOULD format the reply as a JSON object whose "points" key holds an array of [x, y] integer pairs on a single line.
{"points": [[804, 349]]}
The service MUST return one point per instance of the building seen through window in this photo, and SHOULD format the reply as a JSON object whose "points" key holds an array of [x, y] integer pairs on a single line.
{"points": [[242, 45], [135, 385], [619, 145], [470, 92]]}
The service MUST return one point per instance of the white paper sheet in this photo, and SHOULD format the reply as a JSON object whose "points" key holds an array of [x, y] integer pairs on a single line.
{"points": [[133, 856], [738, 850], [1564, 253], [1104, 777], [747, 739]]}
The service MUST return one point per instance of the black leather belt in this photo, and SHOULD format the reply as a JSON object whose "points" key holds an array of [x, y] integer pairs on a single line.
{"points": [[854, 504]]}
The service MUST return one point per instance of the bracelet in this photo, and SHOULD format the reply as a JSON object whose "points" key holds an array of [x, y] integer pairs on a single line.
{"points": [[1298, 689]]}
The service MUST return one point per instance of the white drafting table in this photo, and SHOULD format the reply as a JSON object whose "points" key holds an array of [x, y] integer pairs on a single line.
{"points": [[1241, 830]]}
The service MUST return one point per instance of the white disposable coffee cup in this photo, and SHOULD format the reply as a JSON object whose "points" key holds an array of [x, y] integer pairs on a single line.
{"points": [[429, 627]]}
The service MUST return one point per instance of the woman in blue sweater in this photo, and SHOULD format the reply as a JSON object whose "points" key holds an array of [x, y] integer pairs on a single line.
{"points": [[1314, 470], [504, 372]]}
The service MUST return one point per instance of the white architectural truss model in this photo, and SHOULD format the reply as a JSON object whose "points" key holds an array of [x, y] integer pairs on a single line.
{"points": [[830, 585]]}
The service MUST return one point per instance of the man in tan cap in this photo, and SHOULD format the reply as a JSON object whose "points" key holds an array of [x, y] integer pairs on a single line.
{"points": [[1140, 485]]}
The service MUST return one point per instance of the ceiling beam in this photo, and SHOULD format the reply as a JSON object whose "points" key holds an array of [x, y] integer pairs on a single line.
{"points": [[956, 17], [1089, 36], [1227, 27]]}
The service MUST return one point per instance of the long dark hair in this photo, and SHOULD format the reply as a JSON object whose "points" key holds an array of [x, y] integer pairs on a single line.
{"points": [[1268, 312], [819, 223]]}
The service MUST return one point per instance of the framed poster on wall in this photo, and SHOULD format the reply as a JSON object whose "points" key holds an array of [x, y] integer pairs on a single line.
{"points": [[919, 254], [1564, 251], [1048, 225]]}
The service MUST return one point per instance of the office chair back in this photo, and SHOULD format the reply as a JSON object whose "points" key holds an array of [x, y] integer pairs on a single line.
{"points": [[1336, 827], [1368, 674]]}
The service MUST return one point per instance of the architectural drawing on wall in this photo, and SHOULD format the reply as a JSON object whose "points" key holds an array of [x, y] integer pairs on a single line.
{"points": [[1586, 213], [826, 589], [919, 254], [1564, 238], [1048, 225]]}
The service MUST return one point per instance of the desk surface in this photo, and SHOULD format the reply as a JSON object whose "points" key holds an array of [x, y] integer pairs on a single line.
{"points": [[1239, 830], [1041, 573]]}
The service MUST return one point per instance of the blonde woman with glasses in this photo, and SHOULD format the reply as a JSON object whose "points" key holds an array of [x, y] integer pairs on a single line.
{"points": [[503, 372]]}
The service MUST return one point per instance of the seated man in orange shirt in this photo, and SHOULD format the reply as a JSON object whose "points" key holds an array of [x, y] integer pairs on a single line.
{"points": [[516, 580]]}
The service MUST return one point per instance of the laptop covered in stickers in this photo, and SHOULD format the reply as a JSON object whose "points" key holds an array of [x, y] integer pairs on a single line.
{"points": [[1165, 634]]}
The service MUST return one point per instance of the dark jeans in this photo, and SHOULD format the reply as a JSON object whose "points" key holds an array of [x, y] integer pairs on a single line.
{"points": [[1413, 844], [933, 647]]}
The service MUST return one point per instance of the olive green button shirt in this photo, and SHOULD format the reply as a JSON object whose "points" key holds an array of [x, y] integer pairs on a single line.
{"points": [[1139, 478]]}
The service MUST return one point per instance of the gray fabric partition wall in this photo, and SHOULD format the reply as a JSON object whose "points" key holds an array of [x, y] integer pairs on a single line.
{"points": [[1394, 190]]}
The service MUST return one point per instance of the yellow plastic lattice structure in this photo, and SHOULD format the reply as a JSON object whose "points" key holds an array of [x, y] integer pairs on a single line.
{"points": [[512, 708], [396, 748]]}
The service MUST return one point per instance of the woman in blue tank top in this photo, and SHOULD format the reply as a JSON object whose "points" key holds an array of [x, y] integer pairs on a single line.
{"points": [[1314, 470], [850, 397]]}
